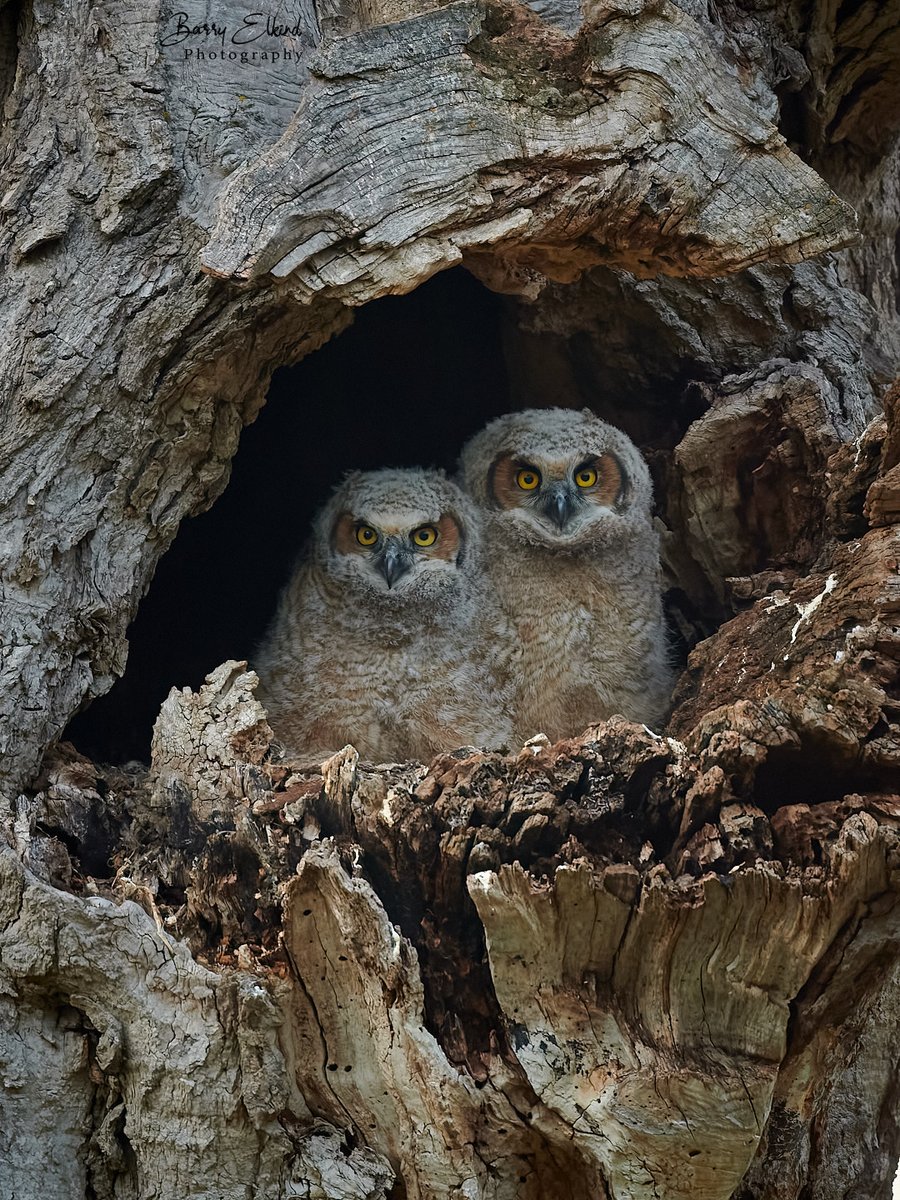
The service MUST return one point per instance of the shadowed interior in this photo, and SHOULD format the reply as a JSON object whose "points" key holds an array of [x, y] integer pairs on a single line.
{"points": [[407, 384]]}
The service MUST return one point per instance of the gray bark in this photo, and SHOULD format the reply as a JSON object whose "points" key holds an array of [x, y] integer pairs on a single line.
{"points": [[625, 966], [632, 144]]}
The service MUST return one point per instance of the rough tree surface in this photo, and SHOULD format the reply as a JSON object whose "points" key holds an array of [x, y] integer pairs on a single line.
{"points": [[634, 964]]}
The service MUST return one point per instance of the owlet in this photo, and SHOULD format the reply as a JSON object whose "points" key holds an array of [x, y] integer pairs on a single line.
{"points": [[574, 559], [387, 636]]}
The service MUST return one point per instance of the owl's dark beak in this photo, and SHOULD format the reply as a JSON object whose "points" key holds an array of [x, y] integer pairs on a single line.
{"points": [[393, 562], [558, 504]]}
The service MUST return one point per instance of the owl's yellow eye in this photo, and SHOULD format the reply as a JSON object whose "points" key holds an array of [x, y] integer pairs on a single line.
{"points": [[366, 535], [528, 479], [426, 535], [586, 477]]}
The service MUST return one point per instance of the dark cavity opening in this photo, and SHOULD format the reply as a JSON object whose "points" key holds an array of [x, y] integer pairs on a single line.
{"points": [[407, 384], [808, 774]]}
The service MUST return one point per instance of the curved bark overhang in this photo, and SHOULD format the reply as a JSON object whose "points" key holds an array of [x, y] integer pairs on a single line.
{"points": [[477, 126]]}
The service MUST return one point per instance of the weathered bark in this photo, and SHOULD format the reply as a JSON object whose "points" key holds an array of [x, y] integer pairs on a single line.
{"points": [[669, 981], [625, 966], [127, 376]]}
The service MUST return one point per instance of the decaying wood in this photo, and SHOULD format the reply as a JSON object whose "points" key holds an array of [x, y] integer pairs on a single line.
{"points": [[112, 1032], [882, 505], [751, 479], [653, 951], [127, 375], [626, 966]]}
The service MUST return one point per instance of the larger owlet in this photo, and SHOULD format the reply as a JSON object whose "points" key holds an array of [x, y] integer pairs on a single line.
{"points": [[574, 559], [386, 636]]}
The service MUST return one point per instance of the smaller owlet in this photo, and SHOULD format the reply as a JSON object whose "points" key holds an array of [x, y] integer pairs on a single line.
{"points": [[387, 636], [574, 558]]}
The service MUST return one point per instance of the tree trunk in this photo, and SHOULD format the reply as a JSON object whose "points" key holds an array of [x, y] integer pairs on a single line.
{"points": [[625, 966]]}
